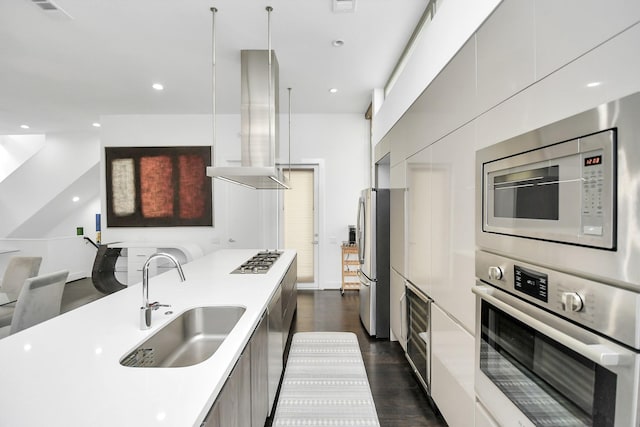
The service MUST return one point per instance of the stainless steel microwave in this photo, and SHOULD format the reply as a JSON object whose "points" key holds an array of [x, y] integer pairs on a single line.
{"points": [[563, 192]]}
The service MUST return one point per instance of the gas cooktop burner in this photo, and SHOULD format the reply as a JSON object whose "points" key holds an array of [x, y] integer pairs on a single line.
{"points": [[260, 263]]}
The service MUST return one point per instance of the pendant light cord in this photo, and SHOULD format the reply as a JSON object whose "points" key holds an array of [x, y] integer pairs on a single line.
{"points": [[213, 83], [269, 9], [289, 89]]}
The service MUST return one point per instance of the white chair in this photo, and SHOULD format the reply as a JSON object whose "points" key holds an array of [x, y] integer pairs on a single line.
{"points": [[19, 269], [39, 300]]}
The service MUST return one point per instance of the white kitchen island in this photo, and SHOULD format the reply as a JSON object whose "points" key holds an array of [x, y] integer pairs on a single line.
{"points": [[67, 372]]}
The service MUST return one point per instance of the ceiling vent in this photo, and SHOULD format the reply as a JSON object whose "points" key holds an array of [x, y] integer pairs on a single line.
{"points": [[344, 5], [51, 8]]}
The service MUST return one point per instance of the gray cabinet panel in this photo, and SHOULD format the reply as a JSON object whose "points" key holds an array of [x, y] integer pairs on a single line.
{"points": [[289, 299], [259, 374], [275, 346], [233, 406]]}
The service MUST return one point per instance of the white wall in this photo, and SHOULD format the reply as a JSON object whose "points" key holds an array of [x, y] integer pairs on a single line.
{"points": [[15, 150], [37, 211], [84, 215], [245, 218], [153, 131], [340, 144], [40, 179]]}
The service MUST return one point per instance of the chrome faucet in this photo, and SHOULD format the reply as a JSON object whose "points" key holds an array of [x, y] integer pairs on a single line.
{"points": [[147, 308]]}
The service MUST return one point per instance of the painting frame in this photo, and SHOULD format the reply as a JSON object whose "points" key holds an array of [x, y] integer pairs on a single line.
{"points": [[164, 186]]}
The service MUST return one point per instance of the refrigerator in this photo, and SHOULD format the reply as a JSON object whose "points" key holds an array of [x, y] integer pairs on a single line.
{"points": [[372, 238]]}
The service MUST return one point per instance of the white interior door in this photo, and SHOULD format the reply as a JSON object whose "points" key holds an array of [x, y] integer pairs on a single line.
{"points": [[300, 212]]}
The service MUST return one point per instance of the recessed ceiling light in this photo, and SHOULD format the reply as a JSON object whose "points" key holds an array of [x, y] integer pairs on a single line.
{"points": [[337, 43], [24, 126], [96, 124], [333, 90], [75, 198], [594, 84], [157, 86]]}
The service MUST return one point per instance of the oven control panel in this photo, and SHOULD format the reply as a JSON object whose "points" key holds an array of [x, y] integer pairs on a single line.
{"points": [[584, 301], [531, 283]]}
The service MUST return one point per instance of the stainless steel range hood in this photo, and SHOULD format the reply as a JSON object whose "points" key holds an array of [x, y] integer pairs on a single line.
{"points": [[259, 111]]}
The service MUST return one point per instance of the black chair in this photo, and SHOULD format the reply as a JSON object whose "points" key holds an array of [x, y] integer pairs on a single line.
{"points": [[103, 273]]}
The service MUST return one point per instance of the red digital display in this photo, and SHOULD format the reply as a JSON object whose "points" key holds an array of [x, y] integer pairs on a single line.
{"points": [[594, 160]]}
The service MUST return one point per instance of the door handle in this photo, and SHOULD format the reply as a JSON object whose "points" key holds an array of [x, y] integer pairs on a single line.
{"points": [[602, 354], [364, 280]]}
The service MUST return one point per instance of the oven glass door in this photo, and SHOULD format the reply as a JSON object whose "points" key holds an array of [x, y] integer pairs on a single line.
{"points": [[551, 384], [563, 192]]}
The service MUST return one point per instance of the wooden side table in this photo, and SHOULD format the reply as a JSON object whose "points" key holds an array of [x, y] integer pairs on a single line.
{"points": [[350, 266]]}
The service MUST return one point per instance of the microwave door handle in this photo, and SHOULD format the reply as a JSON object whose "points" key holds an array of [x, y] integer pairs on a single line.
{"points": [[598, 353]]}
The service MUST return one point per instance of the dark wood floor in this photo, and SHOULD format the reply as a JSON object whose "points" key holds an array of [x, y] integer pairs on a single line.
{"points": [[399, 398]]}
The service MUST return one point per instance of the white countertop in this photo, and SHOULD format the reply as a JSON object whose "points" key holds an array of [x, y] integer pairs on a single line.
{"points": [[66, 372]]}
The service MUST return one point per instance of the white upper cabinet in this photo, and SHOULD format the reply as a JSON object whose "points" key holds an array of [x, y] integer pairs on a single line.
{"points": [[397, 212], [569, 28], [450, 100], [419, 219], [452, 273], [566, 91], [506, 52]]}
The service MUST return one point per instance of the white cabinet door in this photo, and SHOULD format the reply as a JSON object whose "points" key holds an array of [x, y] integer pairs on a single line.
{"points": [[419, 219], [448, 102], [397, 218], [506, 52], [452, 369], [452, 273], [483, 419], [569, 28], [397, 311]]}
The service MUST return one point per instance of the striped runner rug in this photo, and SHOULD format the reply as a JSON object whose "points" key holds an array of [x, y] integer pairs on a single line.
{"points": [[325, 383]]}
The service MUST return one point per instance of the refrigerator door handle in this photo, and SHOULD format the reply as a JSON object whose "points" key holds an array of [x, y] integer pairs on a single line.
{"points": [[360, 230], [364, 279]]}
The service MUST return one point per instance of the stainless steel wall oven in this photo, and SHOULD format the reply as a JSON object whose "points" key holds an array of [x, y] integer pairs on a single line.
{"points": [[558, 277], [554, 349]]}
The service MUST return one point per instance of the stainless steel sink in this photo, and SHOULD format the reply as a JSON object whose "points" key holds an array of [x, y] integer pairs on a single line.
{"points": [[189, 339]]}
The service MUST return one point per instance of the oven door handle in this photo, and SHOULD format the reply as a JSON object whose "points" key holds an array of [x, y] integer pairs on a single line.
{"points": [[599, 353]]}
